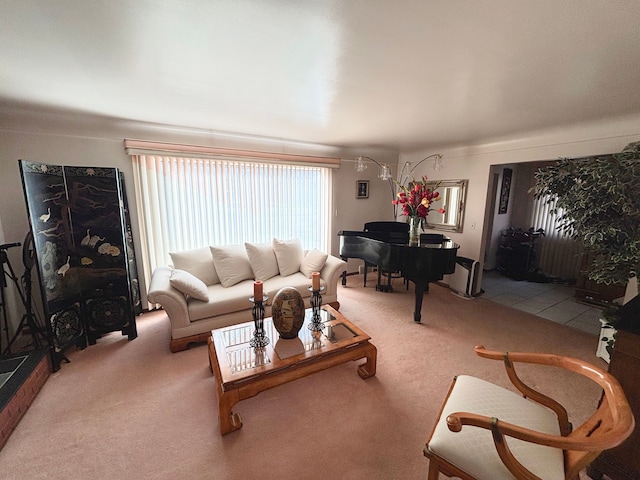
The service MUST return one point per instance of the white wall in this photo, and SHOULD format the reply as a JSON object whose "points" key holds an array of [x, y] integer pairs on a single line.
{"points": [[353, 213], [89, 141], [13, 303], [501, 221], [72, 140], [476, 163]]}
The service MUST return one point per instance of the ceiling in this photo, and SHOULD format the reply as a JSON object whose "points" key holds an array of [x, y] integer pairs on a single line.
{"points": [[401, 75]]}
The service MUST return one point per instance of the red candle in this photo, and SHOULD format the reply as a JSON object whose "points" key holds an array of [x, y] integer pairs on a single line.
{"points": [[315, 281], [257, 290]]}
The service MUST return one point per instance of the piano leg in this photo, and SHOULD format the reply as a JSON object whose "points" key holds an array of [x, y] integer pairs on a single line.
{"points": [[421, 287], [344, 278]]}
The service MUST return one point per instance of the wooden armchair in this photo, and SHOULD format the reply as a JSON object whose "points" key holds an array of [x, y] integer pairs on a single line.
{"points": [[486, 432]]}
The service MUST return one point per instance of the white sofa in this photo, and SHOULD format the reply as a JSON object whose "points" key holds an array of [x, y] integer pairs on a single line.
{"points": [[209, 287]]}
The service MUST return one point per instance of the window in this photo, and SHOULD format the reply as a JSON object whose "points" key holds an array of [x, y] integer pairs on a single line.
{"points": [[560, 255], [186, 203]]}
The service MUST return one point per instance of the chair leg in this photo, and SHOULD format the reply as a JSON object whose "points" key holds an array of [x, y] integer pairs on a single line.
{"points": [[434, 471]]}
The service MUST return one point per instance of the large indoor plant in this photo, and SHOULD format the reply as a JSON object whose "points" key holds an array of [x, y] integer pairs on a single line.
{"points": [[600, 202], [598, 199]]}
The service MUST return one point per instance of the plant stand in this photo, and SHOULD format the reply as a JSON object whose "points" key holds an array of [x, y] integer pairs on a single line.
{"points": [[623, 462], [606, 341]]}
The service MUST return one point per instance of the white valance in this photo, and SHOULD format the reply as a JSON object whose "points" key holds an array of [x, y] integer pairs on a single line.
{"points": [[143, 147]]}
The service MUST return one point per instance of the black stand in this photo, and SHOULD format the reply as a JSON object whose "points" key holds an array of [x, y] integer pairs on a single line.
{"points": [[28, 319], [259, 339], [316, 300]]}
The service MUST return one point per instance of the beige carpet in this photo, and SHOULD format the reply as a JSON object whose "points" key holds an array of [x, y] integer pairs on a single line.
{"points": [[125, 409]]}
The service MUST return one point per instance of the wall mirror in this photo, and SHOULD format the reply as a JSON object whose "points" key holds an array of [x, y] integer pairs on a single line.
{"points": [[452, 198]]}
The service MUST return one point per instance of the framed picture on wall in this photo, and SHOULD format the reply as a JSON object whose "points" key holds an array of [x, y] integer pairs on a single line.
{"points": [[505, 189], [362, 189]]}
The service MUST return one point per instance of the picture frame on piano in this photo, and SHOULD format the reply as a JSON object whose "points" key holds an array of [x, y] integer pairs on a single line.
{"points": [[362, 189]]}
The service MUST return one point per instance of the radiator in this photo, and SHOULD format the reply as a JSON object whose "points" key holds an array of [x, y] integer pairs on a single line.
{"points": [[464, 280]]}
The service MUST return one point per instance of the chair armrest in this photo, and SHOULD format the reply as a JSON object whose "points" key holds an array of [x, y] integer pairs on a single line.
{"points": [[526, 390], [500, 430], [614, 405], [331, 273], [172, 300], [610, 424]]}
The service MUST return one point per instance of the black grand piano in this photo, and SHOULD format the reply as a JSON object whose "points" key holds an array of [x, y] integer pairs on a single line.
{"points": [[386, 245]]}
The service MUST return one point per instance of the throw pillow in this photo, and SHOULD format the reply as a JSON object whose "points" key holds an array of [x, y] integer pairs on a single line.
{"points": [[197, 262], [313, 262], [232, 264], [189, 285], [289, 255], [263, 260]]}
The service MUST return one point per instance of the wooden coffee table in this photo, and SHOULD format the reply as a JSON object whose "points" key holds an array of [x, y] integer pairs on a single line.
{"points": [[242, 371]]}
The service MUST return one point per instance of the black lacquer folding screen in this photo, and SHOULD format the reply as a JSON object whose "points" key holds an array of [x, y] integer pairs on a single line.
{"points": [[84, 249]]}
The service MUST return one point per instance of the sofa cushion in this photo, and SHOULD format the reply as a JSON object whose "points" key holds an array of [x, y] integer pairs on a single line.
{"points": [[189, 285], [263, 260], [232, 264], [223, 301], [313, 261], [197, 262], [289, 255], [297, 281]]}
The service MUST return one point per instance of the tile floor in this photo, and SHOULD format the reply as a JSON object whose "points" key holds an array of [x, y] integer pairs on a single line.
{"points": [[552, 301]]}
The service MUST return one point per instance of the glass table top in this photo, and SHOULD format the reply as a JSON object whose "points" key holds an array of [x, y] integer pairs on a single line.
{"points": [[242, 356]]}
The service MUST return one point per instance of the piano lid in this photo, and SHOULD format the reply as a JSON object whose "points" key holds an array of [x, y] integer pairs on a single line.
{"points": [[436, 242]]}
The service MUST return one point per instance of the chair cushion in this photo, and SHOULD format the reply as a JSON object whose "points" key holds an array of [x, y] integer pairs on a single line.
{"points": [[189, 285], [198, 262], [232, 264], [289, 255], [263, 260], [313, 261], [472, 449]]}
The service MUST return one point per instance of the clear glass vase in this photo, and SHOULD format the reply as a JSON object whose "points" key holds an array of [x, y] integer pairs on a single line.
{"points": [[415, 224]]}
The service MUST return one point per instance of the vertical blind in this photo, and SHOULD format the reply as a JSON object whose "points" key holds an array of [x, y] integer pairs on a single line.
{"points": [[186, 203], [560, 255]]}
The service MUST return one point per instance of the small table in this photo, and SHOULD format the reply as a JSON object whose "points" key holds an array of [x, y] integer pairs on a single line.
{"points": [[242, 371]]}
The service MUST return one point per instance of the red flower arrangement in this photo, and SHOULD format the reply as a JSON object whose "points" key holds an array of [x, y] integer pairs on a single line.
{"points": [[416, 198]]}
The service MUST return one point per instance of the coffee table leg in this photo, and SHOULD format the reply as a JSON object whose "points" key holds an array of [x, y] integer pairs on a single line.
{"points": [[229, 421], [368, 369]]}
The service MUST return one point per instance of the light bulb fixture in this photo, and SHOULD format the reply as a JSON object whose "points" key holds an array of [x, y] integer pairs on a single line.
{"points": [[361, 165], [384, 172], [408, 167], [384, 169], [437, 163]]}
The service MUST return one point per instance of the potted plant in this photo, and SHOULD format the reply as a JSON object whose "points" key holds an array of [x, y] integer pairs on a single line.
{"points": [[416, 199], [598, 200]]}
